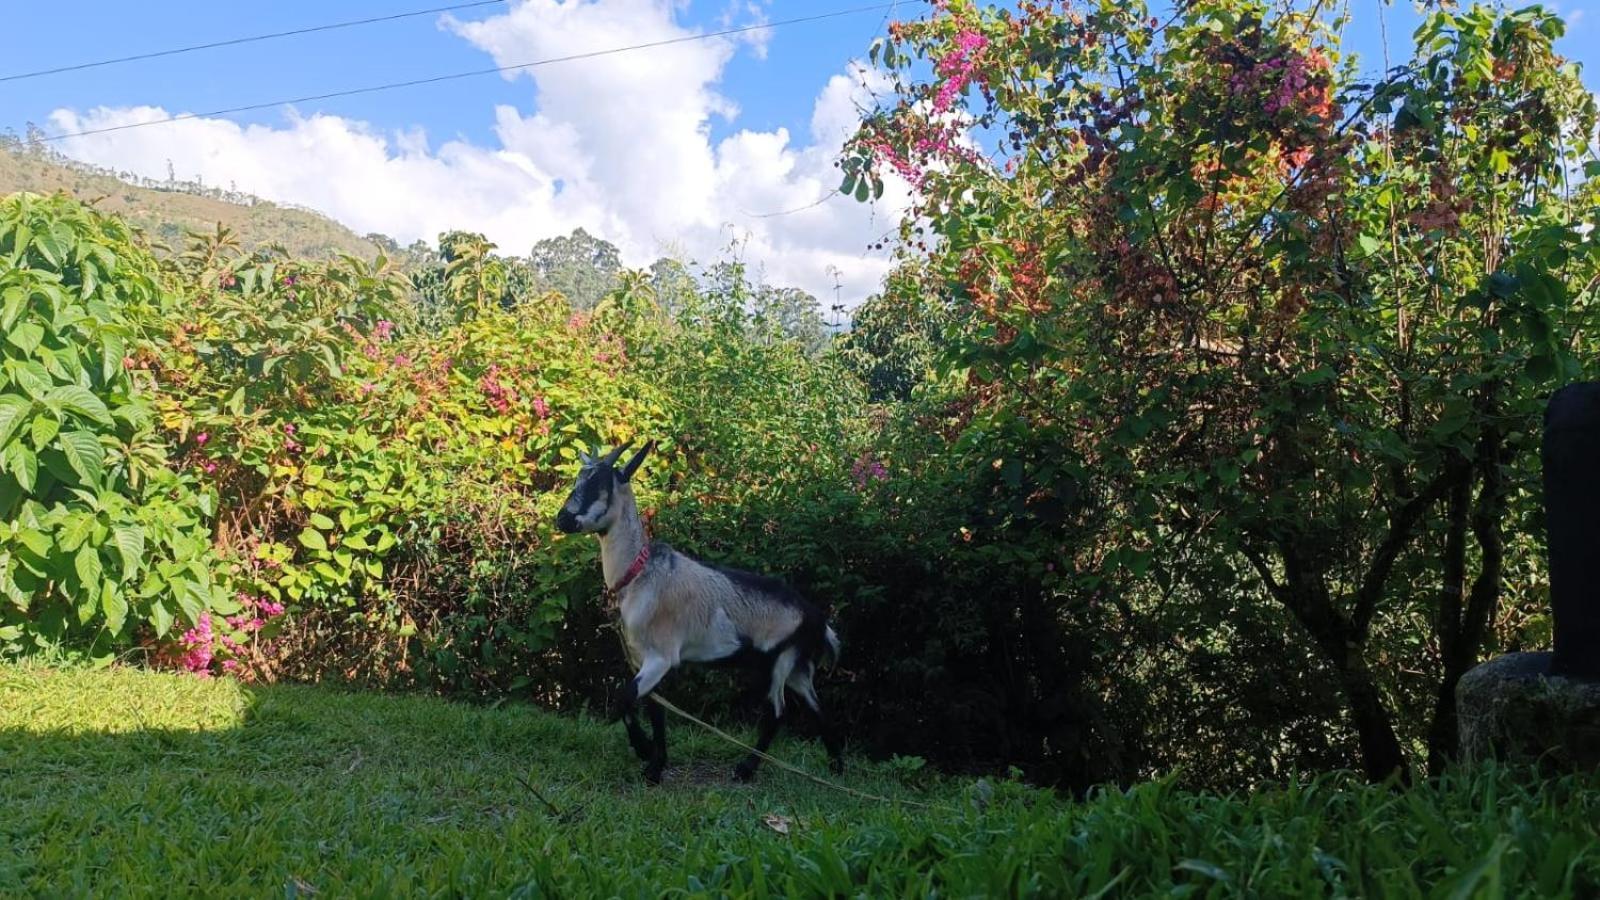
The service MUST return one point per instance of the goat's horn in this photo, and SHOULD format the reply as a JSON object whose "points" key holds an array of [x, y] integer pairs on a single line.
{"points": [[614, 455]]}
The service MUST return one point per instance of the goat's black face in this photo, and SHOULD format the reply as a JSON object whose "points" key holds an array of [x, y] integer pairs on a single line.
{"points": [[588, 508]]}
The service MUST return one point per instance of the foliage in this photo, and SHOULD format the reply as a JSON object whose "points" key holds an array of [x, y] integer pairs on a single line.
{"points": [[1270, 334], [579, 266], [232, 786], [99, 538]]}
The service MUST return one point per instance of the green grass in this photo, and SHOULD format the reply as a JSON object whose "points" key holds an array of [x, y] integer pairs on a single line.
{"points": [[124, 782]]}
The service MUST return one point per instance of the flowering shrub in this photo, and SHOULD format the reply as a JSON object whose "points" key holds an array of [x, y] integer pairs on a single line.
{"points": [[1263, 345]]}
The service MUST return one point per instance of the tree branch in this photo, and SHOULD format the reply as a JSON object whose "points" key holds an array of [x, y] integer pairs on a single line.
{"points": [[1401, 525]]}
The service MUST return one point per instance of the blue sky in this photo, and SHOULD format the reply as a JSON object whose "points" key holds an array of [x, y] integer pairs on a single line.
{"points": [[687, 149], [772, 91]]}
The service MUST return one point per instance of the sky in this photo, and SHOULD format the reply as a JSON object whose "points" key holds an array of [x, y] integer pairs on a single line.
{"points": [[700, 150]]}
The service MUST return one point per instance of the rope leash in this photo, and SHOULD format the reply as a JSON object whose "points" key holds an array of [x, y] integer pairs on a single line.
{"points": [[673, 708], [787, 767]]}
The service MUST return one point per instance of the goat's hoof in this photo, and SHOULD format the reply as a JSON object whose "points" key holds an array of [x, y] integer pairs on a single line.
{"points": [[652, 772], [744, 772], [837, 765], [641, 749]]}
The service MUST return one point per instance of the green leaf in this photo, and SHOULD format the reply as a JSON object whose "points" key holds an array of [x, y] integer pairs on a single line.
{"points": [[15, 300], [79, 399], [8, 587], [87, 564], [190, 601], [21, 463], [115, 605], [1369, 245], [113, 349], [129, 541], [44, 429], [160, 617], [26, 337], [84, 454], [313, 539], [321, 521], [12, 411]]}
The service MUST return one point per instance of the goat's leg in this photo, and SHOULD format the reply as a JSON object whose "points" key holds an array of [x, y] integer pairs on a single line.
{"points": [[746, 769], [657, 760], [800, 684], [638, 691]]}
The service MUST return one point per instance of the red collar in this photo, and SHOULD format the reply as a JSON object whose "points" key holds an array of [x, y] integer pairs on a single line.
{"points": [[633, 570]]}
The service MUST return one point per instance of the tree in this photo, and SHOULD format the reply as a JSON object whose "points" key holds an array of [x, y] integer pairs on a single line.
{"points": [[1287, 323], [580, 266]]}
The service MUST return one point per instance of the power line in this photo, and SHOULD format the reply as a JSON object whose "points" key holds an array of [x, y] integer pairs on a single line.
{"points": [[416, 82], [245, 40]]}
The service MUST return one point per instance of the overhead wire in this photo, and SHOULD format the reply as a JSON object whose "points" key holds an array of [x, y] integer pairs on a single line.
{"points": [[233, 42], [454, 76]]}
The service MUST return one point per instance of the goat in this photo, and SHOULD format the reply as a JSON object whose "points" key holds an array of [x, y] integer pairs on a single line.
{"points": [[675, 608]]}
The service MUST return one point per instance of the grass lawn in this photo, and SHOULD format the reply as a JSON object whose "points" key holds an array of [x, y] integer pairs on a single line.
{"points": [[124, 782]]}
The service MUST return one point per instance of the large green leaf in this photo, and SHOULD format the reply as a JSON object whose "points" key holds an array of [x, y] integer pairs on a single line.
{"points": [[44, 429], [84, 454], [113, 349], [313, 539], [87, 564], [13, 409], [9, 589], [115, 605], [160, 617], [11, 306], [129, 540], [22, 464], [79, 399], [26, 337]]}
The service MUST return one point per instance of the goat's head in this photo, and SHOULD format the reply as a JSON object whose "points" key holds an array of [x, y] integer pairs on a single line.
{"points": [[592, 505]]}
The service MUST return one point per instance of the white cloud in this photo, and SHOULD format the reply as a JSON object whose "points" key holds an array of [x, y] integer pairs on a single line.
{"points": [[619, 145]]}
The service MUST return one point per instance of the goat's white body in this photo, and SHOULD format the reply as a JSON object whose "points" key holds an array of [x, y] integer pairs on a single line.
{"points": [[673, 608]]}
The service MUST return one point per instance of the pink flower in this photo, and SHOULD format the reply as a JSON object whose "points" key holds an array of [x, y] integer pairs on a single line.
{"points": [[288, 428], [367, 388], [541, 407], [210, 467], [402, 360], [956, 69], [867, 470], [201, 438], [385, 328]]}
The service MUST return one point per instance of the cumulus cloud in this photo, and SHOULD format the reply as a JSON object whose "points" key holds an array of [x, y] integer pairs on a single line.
{"points": [[620, 146]]}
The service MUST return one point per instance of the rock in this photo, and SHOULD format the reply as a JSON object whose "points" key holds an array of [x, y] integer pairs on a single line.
{"points": [[1511, 708]]}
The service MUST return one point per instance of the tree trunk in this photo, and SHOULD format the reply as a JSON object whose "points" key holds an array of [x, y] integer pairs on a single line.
{"points": [[1447, 622], [1463, 630], [1307, 596]]}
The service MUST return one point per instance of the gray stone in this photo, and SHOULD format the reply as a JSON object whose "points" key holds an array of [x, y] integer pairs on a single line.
{"points": [[1511, 708]]}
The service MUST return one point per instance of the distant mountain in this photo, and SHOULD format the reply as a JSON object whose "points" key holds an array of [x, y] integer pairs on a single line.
{"points": [[166, 210]]}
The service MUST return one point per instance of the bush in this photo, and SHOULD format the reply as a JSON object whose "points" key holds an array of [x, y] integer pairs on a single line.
{"points": [[101, 542]]}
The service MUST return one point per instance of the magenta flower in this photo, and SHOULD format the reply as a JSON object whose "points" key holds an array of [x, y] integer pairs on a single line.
{"points": [[385, 328], [201, 438]]}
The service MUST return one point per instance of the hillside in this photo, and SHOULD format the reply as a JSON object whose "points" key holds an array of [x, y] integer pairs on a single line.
{"points": [[128, 782], [167, 211]]}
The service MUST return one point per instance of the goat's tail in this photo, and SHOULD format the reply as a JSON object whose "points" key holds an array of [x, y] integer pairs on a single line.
{"points": [[830, 656]]}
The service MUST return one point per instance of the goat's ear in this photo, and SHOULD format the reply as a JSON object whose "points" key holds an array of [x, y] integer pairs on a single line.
{"points": [[633, 464], [585, 458]]}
